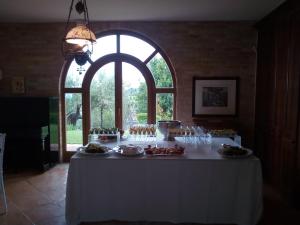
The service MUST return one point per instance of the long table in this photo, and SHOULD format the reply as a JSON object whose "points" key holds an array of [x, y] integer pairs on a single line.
{"points": [[199, 187]]}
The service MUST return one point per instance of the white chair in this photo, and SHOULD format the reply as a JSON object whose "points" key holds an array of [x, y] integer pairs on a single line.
{"points": [[2, 191]]}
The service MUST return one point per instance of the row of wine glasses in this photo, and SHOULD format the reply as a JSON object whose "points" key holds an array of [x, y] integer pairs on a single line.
{"points": [[148, 132], [191, 134], [142, 132]]}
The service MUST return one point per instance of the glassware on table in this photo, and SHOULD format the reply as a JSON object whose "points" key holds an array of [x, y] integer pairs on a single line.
{"points": [[142, 132], [208, 138], [92, 137], [164, 126], [104, 135], [188, 134]]}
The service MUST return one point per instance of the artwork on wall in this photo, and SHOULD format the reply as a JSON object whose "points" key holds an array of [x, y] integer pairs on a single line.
{"points": [[215, 96], [1, 74], [18, 85]]}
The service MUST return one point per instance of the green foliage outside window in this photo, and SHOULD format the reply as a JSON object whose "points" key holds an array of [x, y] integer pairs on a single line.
{"points": [[135, 100], [163, 78]]}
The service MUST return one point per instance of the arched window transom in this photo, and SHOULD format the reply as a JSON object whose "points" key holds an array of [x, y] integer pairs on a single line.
{"points": [[129, 80]]}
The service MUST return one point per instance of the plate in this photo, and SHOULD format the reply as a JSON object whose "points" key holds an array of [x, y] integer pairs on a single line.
{"points": [[82, 150], [165, 151], [170, 154], [120, 150], [230, 155]]}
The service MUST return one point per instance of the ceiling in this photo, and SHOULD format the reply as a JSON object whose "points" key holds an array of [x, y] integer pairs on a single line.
{"points": [[138, 10]]}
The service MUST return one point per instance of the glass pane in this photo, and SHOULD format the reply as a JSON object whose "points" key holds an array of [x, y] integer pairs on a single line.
{"points": [[135, 96], [102, 94], [135, 47], [73, 121], [160, 71], [54, 120], [164, 106], [75, 75], [104, 46]]}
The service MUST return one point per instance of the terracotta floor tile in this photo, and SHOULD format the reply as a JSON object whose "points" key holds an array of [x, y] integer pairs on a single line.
{"points": [[54, 179], [57, 195], [40, 197], [14, 216], [62, 203], [25, 195], [60, 220], [44, 212]]}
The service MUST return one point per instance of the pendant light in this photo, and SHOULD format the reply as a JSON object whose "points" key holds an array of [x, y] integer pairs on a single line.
{"points": [[79, 39]]}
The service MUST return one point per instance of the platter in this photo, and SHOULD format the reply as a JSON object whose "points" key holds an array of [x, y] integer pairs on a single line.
{"points": [[164, 151], [233, 152], [85, 151], [164, 154], [129, 150]]}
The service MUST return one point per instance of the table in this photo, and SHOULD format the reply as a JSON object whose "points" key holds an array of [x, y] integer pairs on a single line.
{"points": [[199, 187]]}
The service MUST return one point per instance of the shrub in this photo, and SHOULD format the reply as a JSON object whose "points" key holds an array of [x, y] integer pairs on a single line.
{"points": [[142, 117]]}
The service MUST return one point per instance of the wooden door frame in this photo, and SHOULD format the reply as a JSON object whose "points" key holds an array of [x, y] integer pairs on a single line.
{"points": [[118, 58]]}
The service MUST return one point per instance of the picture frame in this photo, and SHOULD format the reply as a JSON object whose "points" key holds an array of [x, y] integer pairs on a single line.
{"points": [[18, 85], [215, 96]]}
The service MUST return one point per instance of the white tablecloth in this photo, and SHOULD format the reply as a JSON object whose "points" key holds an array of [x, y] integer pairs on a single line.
{"points": [[199, 187]]}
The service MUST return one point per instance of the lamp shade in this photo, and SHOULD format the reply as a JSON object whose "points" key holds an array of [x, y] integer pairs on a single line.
{"points": [[80, 35]]}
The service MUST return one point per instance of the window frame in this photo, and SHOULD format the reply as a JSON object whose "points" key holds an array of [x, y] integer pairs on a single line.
{"points": [[117, 58]]}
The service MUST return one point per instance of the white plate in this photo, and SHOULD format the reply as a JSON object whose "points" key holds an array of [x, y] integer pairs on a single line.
{"points": [[119, 150], [249, 153], [82, 151]]}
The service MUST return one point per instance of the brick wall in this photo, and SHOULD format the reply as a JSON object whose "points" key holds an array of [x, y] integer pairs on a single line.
{"points": [[204, 49]]}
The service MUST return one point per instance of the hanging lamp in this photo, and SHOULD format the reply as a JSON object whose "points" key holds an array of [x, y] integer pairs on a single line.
{"points": [[79, 39]]}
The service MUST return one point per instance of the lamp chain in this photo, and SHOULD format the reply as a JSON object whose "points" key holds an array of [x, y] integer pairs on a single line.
{"points": [[69, 16], [86, 15]]}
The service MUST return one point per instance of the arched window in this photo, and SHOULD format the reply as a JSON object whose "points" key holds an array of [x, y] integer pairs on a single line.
{"points": [[129, 80]]}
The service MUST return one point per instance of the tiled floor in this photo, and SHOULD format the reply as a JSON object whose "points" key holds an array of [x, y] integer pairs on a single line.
{"points": [[39, 199]]}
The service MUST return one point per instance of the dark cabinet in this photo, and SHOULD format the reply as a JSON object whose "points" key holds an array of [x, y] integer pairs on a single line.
{"points": [[277, 99], [30, 124]]}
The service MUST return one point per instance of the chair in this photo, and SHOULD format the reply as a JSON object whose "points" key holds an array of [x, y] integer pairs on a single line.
{"points": [[2, 191]]}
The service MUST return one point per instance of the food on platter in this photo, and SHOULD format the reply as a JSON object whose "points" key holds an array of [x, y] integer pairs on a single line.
{"points": [[234, 151], [176, 150], [129, 150], [95, 148]]}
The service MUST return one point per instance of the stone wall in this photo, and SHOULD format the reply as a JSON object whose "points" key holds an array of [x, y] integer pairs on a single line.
{"points": [[203, 49]]}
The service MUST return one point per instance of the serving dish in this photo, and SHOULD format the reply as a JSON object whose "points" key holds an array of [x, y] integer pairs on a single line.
{"points": [[94, 149], [164, 151], [165, 125], [129, 150], [234, 152]]}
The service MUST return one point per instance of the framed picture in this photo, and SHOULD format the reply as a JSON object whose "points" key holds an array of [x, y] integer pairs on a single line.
{"points": [[215, 96], [18, 85]]}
